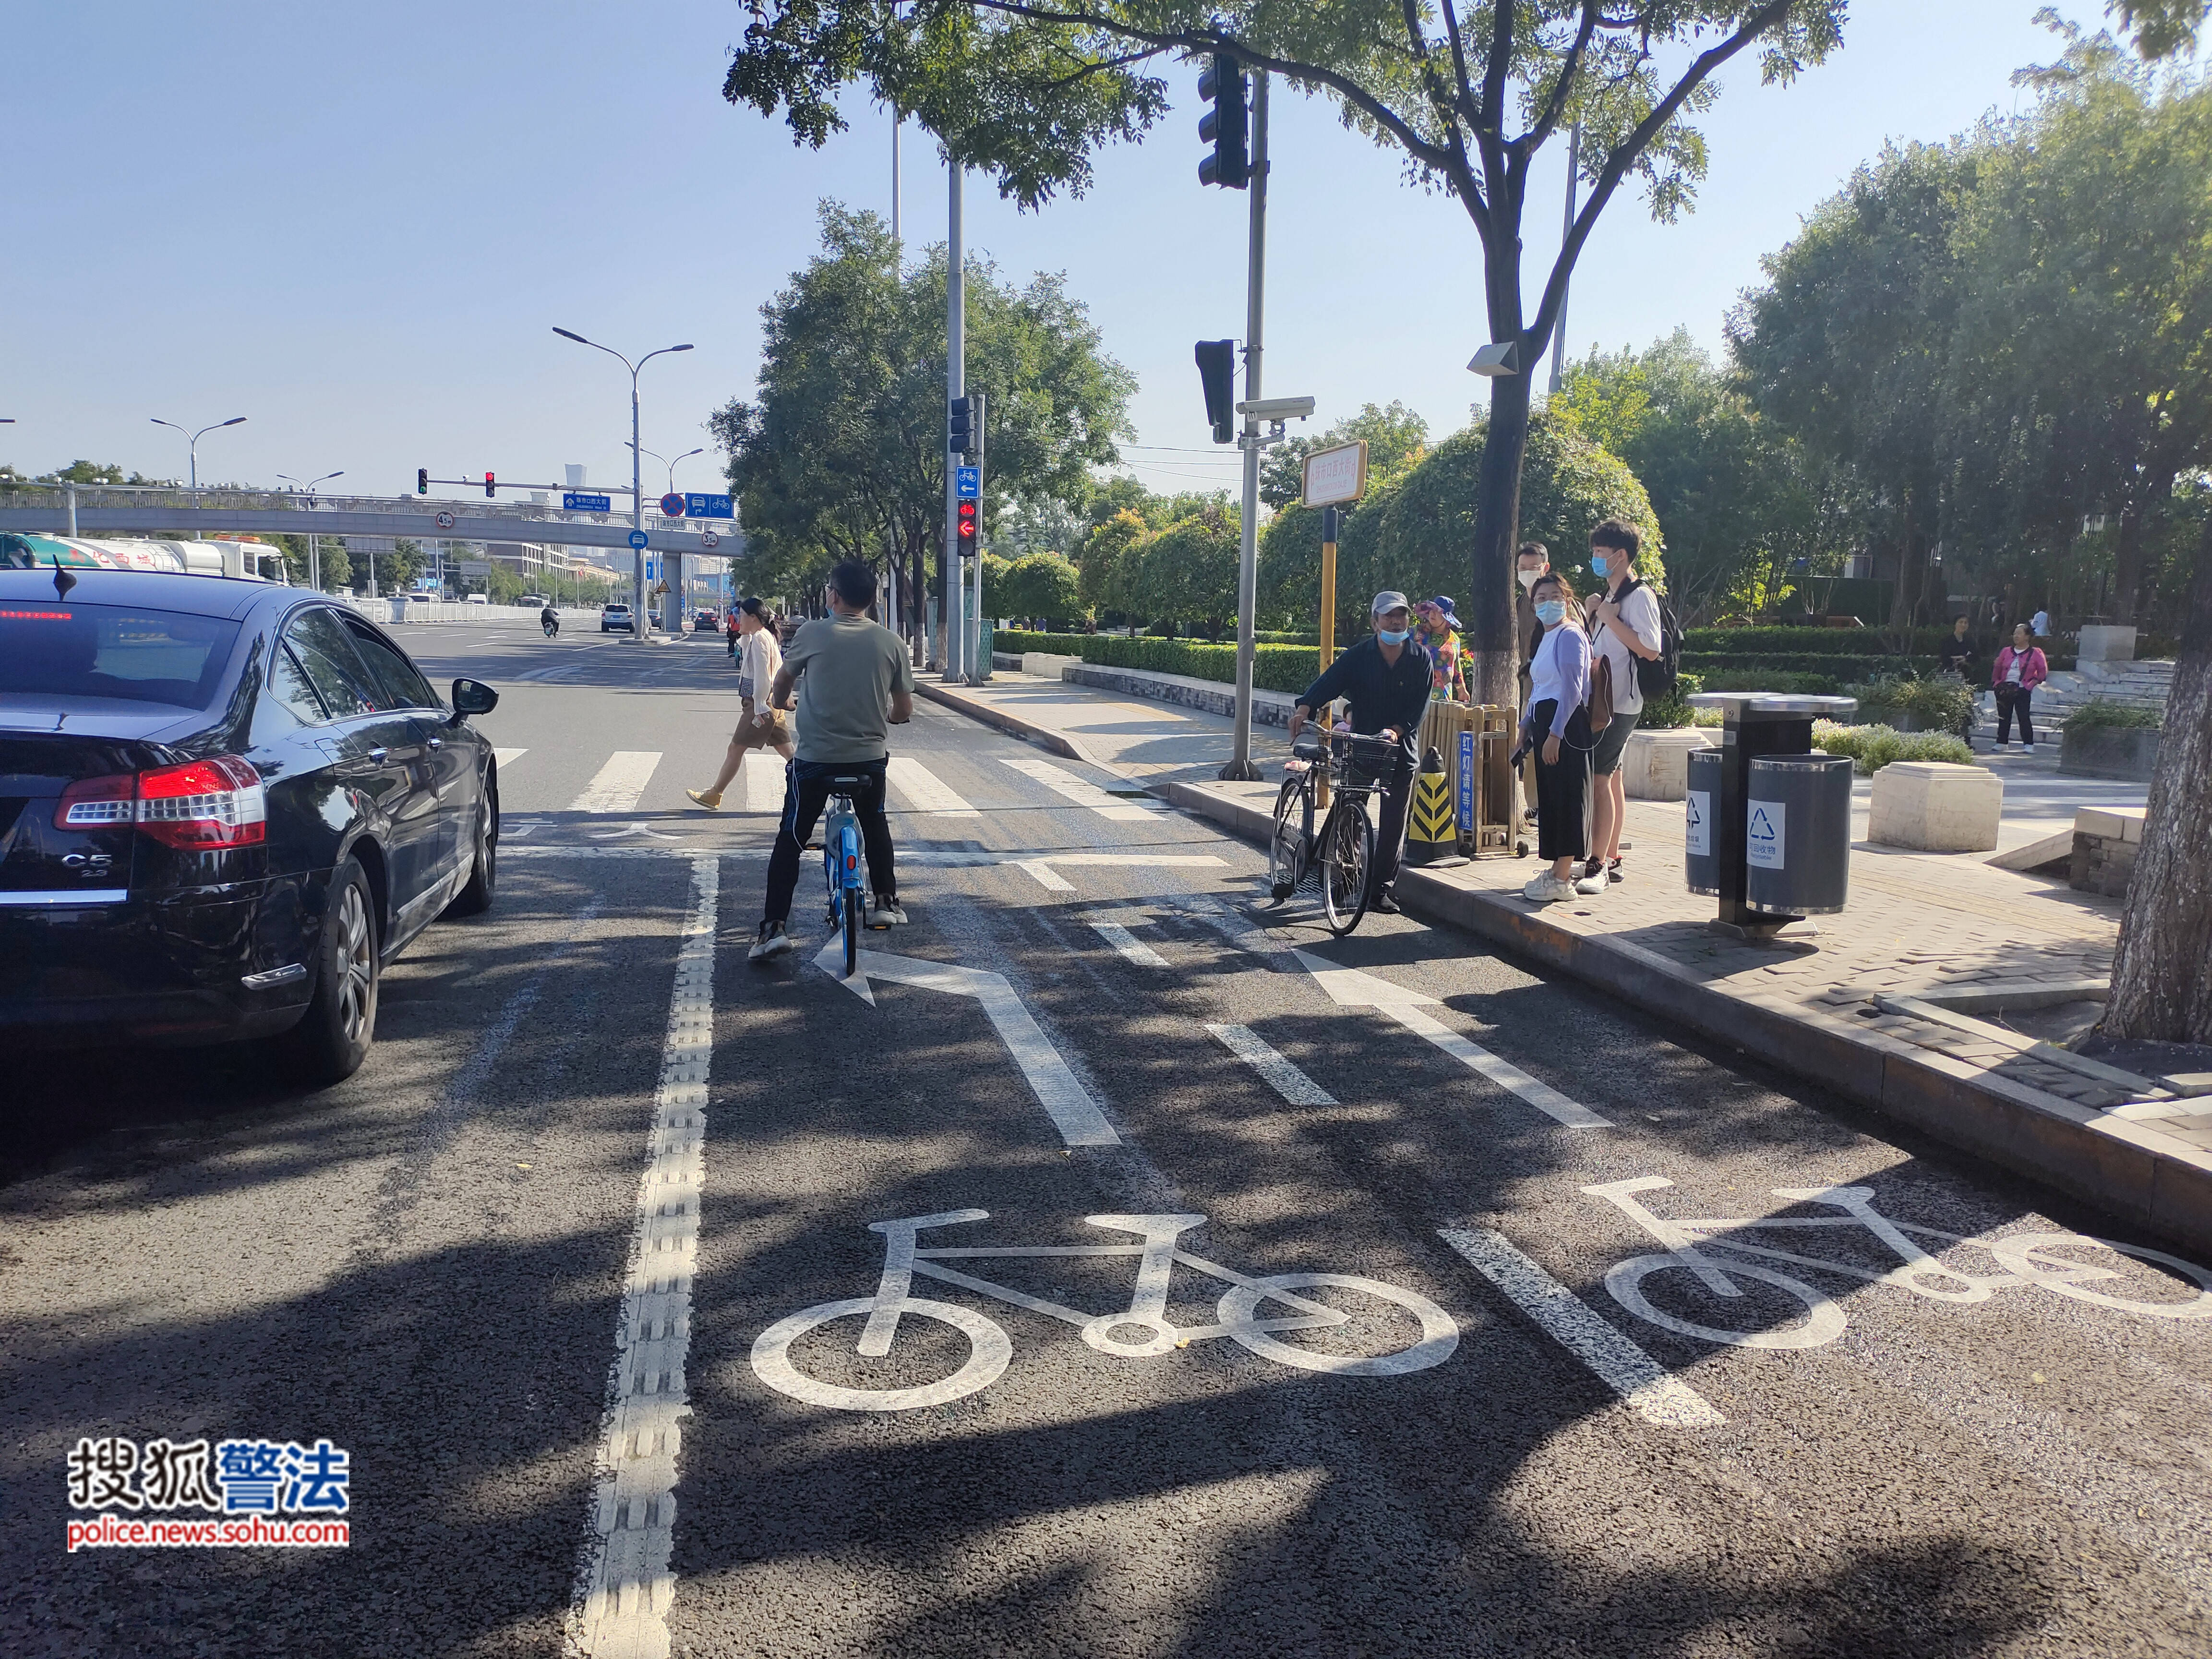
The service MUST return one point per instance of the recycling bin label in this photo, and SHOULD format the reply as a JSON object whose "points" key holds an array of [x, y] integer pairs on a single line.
{"points": [[1763, 835], [1697, 823]]}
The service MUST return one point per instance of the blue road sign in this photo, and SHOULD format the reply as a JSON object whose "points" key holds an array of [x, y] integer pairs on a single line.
{"points": [[970, 482], [672, 506], [639, 539], [572, 503], [709, 506]]}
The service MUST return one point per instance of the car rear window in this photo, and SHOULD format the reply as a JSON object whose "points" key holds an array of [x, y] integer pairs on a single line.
{"points": [[56, 649]]}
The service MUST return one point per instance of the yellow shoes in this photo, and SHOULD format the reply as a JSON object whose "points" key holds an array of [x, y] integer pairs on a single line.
{"points": [[709, 798]]}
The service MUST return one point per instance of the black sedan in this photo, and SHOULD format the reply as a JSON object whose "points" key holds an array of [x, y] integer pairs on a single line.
{"points": [[224, 807]]}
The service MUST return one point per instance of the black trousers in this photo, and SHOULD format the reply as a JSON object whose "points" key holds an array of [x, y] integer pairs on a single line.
{"points": [[1397, 786], [1563, 787], [805, 792], [2015, 700]]}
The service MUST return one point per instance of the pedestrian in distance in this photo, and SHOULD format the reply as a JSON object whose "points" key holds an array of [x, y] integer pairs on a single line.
{"points": [[1555, 727], [2039, 624], [759, 726], [1440, 639], [1385, 678], [2020, 668], [1953, 659], [1625, 629], [855, 680], [1532, 560]]}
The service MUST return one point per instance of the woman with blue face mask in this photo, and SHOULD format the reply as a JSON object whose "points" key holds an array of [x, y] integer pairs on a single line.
{"points": [[1556, 724]]}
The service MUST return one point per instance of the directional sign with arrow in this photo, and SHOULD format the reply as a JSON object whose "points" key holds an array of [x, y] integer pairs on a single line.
{"points": [[1063, 1096], [1350, 988]]}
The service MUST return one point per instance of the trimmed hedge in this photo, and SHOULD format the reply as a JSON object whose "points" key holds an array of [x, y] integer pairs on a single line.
{"points": [[1014, 641], [1801, 642], [1274, 667], [1809, 662], [1873, 747], [1751, 679]]}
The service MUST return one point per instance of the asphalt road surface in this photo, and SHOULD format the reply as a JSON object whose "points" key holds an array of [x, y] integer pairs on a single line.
{"points": [[1260, 1293]]}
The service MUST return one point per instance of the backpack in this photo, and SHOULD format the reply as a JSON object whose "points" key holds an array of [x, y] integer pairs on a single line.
{"points": [[1655, 677]]}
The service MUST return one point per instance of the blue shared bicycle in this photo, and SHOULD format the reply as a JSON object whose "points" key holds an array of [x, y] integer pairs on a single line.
{"points": [[840, 859]]}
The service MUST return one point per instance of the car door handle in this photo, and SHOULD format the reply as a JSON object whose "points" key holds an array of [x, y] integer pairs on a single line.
{"points": [[379, 755]]}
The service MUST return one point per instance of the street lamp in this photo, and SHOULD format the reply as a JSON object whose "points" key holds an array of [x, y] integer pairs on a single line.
{"points": [[192, 441], [636, 464], [670, 465], [315, 542]]}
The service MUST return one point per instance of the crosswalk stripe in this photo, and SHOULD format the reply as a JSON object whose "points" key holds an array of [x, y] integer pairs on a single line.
{"points": [[619, 782], [923, 791], [1132, 948], [507, 758], [758, 785], [1284, 1078], [1083, 792]]}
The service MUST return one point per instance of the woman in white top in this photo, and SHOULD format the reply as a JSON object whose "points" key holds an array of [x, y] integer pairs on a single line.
{"points": [[1556, 725], [760, 659]]}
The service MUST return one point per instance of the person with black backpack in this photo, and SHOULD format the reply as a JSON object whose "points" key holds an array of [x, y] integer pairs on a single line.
{"points": [[1627, 635]]}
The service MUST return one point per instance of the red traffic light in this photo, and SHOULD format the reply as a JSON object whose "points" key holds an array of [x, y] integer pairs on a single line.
{"points": [[490, 488], [966, 521]]}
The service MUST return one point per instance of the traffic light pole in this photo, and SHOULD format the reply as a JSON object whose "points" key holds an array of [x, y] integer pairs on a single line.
{"points": [[1240, 767], [956, 332]]}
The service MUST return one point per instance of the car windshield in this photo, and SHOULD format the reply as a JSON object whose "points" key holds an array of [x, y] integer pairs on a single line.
{"points": [[57, 649]]}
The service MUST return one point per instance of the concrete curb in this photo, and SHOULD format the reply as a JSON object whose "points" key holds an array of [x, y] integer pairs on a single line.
{"points": [[1043, 736], [2128, 1169]]}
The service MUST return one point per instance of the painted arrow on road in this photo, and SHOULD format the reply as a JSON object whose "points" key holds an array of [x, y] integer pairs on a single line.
{"points": [[1350, 988], [1065, 1101]]}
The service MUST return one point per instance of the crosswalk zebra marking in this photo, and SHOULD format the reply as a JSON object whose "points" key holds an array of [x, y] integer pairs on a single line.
{"points": [[922, 791], [618, 784], [1083, 792]]}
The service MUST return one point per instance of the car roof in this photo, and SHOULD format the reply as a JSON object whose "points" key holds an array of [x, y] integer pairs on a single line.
{"points": [[154, 590]]}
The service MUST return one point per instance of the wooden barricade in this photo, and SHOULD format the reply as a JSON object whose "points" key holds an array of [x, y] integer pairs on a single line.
{"points": [[1488, 831]]}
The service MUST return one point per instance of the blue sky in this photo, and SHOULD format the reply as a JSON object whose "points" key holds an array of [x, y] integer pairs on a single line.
{"points": [[358, 225]]}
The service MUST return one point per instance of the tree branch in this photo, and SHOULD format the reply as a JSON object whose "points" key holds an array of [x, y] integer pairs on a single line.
{"points": [[1547, 119]]}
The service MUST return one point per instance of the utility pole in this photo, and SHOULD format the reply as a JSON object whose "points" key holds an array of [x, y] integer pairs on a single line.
{"points": [[1567, 229], [1240, 767], [956, 334]]}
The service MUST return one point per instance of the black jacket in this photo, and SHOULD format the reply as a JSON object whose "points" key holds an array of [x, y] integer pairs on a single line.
{"points": [[1380, 695]]}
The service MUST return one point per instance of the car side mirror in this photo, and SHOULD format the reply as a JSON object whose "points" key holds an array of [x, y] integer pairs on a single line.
{"points": [[473, 697]]}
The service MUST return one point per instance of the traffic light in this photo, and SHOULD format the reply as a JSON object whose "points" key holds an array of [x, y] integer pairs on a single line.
{"points": [[491, 490], [966, 519], [1226, 126], [421, 481], [962, 426], [1217, 373]]}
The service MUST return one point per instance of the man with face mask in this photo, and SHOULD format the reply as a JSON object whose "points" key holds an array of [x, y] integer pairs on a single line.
{"points": [[1386, 679]]}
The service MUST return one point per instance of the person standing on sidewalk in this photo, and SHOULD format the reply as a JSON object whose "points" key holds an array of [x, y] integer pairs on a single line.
{"points": [[2020, 668], [1952, 660], [1532, 560], [1556, 725], [1386, 680], [1625, 630], [759, 726], [855, 679]]}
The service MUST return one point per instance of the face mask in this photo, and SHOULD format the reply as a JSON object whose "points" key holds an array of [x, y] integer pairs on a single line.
{"points": [[1528, 577], [1597, 564], [1391, 636], [1551, 612]]}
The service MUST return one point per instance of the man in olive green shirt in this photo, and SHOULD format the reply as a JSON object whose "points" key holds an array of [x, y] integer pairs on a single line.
{"points": [[855, 681]]}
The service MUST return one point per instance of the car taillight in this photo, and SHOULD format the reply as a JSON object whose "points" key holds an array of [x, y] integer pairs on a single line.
{"points": [[91, 802], [203, 804]]}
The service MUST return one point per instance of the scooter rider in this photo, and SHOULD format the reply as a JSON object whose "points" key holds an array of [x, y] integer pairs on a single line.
{"points": [[551, 619]]}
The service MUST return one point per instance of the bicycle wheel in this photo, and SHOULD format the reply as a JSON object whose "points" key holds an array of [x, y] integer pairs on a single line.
{"points": [[1824, 1320], [1287, 843], [989, 1351], [1347, 853], [2025, 1256], [1439, 1334], [852, 933]]}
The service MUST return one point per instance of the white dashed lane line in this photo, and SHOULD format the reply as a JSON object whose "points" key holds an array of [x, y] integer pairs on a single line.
{"points": [[618, 783], [1083, 792], [1284, 1078]]}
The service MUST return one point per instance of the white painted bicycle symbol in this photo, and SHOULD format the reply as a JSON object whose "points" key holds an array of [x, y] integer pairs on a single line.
{"points": [[1141, 1331], [1695, 1258]]}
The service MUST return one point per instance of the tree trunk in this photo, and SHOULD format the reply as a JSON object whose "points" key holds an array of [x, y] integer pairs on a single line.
{"points": [[1493, 674], [2162, 973]]}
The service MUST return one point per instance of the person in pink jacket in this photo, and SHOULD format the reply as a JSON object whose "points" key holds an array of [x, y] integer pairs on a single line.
{"points": [[2020, 669]]}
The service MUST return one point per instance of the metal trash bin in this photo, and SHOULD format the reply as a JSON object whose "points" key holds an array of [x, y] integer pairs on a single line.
{"points": [[1797, 834], [1701, 846]]}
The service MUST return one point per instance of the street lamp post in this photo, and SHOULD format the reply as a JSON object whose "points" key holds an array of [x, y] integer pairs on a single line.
{"points": [[314, 541], [192, 441], [683, 603], [636, 465]]}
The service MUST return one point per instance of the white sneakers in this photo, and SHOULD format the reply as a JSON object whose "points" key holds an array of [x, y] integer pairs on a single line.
{"points": [[885, 911], [1590, 886], [1548, 889], [772, 942]]}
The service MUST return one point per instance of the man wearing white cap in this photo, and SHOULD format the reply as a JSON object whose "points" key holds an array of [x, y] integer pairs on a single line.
{"points": [[1385, 677]]}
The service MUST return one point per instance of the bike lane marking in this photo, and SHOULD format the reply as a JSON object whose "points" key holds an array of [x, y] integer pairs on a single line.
{"points": [[1657, 1395], [1350, 988], [617, 785], [1057, 1089], [1285, 1078], [624, 1584]]}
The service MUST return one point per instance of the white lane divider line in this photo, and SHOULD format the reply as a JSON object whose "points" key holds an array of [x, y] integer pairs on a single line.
{"points": [[1657, 1394], [1132, 948], [922, 791], [1083, 792], [507, 758], [619, 782], [1350, 988], [1285, 1078], [1057, 1090], [1042, 866], [624, 1585]]}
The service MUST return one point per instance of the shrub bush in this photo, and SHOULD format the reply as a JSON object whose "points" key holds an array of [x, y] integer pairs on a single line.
{"points": [[1664, 714], [1770, 664], [1939, 705], [1873, 747], [1014, 641], [1743, 679], [2098, 713], [1274, 667]]}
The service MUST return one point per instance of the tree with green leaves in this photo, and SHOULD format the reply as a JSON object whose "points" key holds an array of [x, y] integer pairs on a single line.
{"points": [[1187, 574], [1026, 90], [1044, 585], [841, 453], [1108, 564]]}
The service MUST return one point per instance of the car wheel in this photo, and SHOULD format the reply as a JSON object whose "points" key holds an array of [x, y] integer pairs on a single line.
{"points": [[332, 1037], [484, 874]]}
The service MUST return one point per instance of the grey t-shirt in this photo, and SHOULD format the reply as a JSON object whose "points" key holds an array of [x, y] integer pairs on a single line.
{"points": [[848, 668]]}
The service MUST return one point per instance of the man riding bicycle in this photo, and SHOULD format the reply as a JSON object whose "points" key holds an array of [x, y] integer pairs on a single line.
{"points": [[1386, 677], [854, 679]]}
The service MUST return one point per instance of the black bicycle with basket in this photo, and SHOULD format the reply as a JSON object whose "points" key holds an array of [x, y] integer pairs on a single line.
{"points": [[1341, 857]]}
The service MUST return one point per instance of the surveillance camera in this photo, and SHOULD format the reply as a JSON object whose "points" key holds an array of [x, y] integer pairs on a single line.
{"points": [[1278, 408], [1501, 357]]}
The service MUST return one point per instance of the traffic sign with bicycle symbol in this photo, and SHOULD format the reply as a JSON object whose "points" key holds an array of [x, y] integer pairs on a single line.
{"points": [[1702, 1286], [1257, 1312]]}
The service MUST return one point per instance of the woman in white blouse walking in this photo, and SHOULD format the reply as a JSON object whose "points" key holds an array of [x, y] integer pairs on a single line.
{"points": [[760, 657]]}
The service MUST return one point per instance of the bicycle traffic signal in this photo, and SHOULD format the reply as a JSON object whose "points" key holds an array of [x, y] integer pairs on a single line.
{"points": [[490, 488], [966, 521], [1226, 126], [421, 481], [1217, 373]]}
